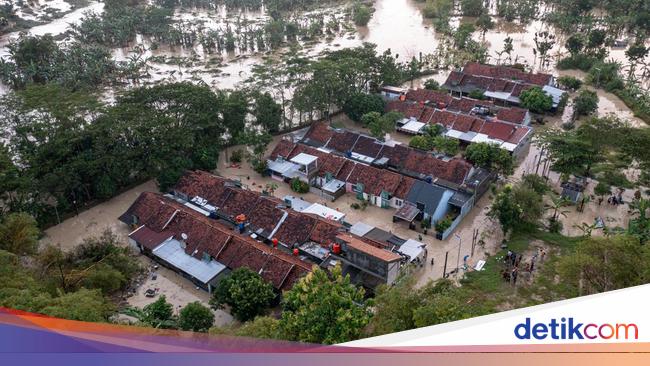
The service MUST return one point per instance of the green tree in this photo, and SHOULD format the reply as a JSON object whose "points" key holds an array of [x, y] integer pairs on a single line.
{"points": [[484, 23], [606, 264], [472, 8], [440, 309], [570, 82], [84, 305], [247, 294], [506, 210], [195, 317], [324, 308], [160, 313], [421, 142], [585, 103], [370, 118], [490, 156], [361, 14], [385, 124], [360, 104], [431, 84], [268, 113], [447, 146], [19, 234], [536, 100], [601, 190]]}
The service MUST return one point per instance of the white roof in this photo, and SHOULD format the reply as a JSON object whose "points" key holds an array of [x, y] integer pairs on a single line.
{"points": [[509, 146], [297, 203], [361, 229], [324, 211], [304, 159], [361, 157], [412, 248], [333, 185], [481, 137], [454, 134], [414, 126], [171, 252], [282, 166]]}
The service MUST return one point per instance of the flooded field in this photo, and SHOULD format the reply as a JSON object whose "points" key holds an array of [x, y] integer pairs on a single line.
{"points": [[396, 25]]}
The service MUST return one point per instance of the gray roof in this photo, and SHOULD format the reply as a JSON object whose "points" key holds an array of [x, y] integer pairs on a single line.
{"points": [[426, 194], [171, 252]]}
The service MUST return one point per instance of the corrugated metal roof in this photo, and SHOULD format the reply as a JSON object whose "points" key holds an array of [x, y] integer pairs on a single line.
{"points": [[173, 253]]}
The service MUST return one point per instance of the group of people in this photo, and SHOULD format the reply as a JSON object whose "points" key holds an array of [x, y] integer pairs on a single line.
{"points": [[513, 261], [615, 200]]}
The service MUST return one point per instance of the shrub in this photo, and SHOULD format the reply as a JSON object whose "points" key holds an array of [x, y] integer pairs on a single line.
{"points": [[443, 225], [237, 156], [570, 82], [299, 186]]}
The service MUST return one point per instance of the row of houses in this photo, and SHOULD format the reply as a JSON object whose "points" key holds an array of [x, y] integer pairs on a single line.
{"points": [[208, 226], [464, 119], [419, 185], [501, 84]]}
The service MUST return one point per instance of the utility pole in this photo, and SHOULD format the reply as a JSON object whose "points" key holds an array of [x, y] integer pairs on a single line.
{"points": [[444, 270], [460, 242]]}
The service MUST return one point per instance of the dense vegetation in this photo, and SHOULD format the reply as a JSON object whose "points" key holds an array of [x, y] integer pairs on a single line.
{"points": [[73, 285]]}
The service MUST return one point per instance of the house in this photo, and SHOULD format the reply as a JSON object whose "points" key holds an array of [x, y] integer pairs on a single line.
{"points": [[501, 84], [202, 247], [358, 255]]}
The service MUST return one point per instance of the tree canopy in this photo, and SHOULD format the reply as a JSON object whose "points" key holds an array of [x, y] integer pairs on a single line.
{"points": [[247, 294]]}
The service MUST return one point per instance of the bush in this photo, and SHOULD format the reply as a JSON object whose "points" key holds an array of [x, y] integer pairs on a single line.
{"points": [[443, 225], [195, 317], [431, 85], [361, 14], [476, 94], [237, 156], [299, 186], [554, 225], [247, 294], [585, 103], [570, 82]]}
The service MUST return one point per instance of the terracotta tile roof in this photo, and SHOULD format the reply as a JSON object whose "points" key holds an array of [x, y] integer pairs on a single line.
{"points": [[358, 245], [432, 96], [396, 155], [504, 72], [467, 123], [512, 115], [444, 118], [266, 214], [498, 130], [397, 106], [325, 232], [414, 110], [367, 146], [427, 114], [374, 180], [239, 202], [327, 163], [343, 141], [454, 170], [466, 105], [455, 78], [148, 238], [205, 185], [151, 210], [296, 229], [282, 149], [205, 235], [345, 171], [520, 133], [404, 187], [319, 132]]}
